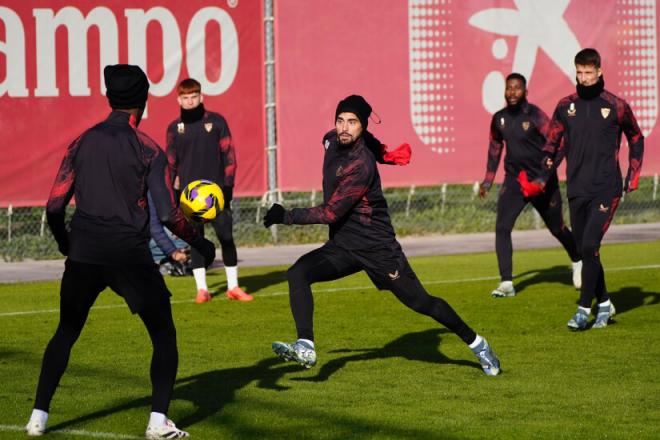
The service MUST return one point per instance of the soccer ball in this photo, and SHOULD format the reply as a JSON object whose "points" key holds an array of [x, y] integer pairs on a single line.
{"points": [[201, 201]]}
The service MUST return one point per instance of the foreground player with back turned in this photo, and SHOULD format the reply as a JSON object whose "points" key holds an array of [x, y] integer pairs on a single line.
{"points": [[522, 127], [109, 169], [361, 238], [591, 122]]}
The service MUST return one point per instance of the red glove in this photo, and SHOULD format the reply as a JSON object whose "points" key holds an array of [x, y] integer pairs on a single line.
{"points": [[399, 156], [529, 189]]}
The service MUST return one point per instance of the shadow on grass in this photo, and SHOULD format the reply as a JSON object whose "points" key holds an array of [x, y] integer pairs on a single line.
{"points": [[629, 298], [420, 346], [557, 274], [252, 283], [210, 391]]}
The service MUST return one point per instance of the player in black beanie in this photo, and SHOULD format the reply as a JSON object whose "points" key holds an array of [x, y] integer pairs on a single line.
{"points": [[109, 169]]}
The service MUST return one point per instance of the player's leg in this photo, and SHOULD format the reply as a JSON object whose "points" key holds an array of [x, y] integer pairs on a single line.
{"points": [[602, 211], [81, 285], [199, 272], [509, 205], [409, 290], [144, 290], [549, 206], [324, 264], [223, 226], [580, 214]]}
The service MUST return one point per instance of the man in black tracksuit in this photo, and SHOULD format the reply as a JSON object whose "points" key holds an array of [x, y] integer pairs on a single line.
{"points": [[199, 146], [591, 122], [109, 169], [523, 127], [361, 238]]}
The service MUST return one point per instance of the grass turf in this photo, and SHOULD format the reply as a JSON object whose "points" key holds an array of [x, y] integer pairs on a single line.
{"points": [[383, 372]]}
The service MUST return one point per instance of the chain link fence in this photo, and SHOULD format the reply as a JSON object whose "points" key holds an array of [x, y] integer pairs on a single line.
{"points": [[443, 209]]}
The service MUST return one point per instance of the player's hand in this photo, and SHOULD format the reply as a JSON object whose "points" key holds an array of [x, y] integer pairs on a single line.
{"points": [[547, 162], [180, 255], [529, 189], [275, 215], [63, 247], [483, 190], [206, 248]]}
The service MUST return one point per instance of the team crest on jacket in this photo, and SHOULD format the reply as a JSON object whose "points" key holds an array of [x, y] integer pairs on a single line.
{"points": [[326, 144], [340, 171], [571, 109], [208, 126], [525, 125], [605, 111], [180, 127], [502, 122]]}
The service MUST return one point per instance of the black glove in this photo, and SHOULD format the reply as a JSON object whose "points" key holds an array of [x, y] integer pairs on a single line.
{"points": [[206, 248], [228, 194], [275, 215]]}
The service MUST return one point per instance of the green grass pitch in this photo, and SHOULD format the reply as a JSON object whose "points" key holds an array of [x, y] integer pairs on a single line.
{"points": [[384, 372]]}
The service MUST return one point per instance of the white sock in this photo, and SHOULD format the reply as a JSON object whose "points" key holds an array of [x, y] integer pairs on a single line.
{"points": [[157, 419], [311, 343], [586, 310], [506, 284], [605, 304], [39, 416], [232, 276], [476, 342], [200, 278]]}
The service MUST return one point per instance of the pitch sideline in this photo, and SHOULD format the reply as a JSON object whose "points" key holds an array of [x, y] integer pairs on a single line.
{"points": [[337, 289]]}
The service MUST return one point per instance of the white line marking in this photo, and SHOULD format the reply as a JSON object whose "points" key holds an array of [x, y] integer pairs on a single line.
{"points": [[341, 289], [77, 432]]}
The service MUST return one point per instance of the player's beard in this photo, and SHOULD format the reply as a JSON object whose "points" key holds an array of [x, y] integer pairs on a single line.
{"points": [[347, 141]]}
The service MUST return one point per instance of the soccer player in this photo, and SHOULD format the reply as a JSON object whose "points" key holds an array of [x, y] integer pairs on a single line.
{"points": [[361, 238], [168, 251], [522, 127], [590, 123], [109, 169], [199, 146]]}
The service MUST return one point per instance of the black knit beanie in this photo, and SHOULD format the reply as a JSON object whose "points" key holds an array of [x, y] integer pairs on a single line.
{"points": [[357, 105], [126, 86]]}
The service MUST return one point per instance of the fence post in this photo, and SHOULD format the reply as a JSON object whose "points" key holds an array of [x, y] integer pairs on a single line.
{"points": [[655, 185], [475, 190], [443, 198], [9, 214], [43, 223], [312, 198], [410, 195]]}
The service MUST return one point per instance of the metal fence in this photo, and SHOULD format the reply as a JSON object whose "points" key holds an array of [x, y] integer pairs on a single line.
{"points": [[443, 209]]}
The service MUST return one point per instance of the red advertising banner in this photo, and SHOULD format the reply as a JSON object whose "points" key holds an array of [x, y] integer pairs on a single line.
{"points": [[52, 55], [434, 70]]}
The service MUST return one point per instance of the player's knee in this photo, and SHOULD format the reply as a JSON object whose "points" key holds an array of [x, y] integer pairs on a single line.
{"points": [[502, 229], [420, 304], [296, 274], [590, 250]]}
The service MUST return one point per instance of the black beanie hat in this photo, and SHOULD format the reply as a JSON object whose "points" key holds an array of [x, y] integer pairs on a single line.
{"points": [[357, 105], [126, 86]]}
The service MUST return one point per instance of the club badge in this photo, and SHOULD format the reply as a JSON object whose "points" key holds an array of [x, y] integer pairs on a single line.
{"points": [[208, 126], [525, 125], [180, 127], [571, 109], [605, 111]]}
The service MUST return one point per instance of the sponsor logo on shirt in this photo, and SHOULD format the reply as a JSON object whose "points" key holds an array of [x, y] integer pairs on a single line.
{"points": [[180, 127], [571, 109], [208, 126], [525, 125], [605, 111]]}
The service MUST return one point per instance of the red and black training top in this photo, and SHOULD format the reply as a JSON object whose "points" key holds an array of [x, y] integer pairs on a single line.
{"points": [[591, 131], [108, 169], [353, 202], [202, 150], [524, 130]]}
